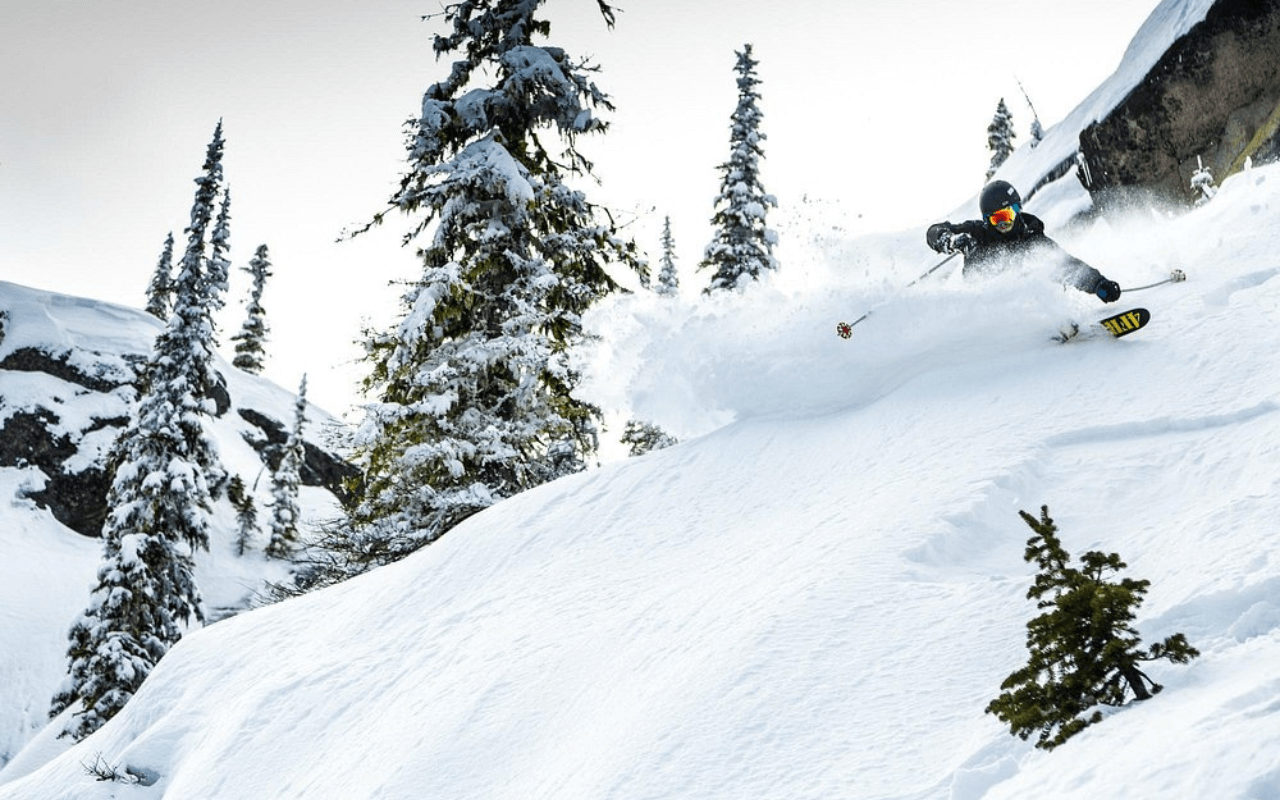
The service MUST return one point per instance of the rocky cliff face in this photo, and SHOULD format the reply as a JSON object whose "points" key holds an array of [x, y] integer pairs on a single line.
{"points": [[68, 370], [1214, 95]]}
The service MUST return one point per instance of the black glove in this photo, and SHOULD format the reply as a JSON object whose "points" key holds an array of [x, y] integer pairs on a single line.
{"points": [[943, 239], [938, 237], [1107, 291]]}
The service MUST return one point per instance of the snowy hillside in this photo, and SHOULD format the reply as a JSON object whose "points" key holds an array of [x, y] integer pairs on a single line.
{"points": [[47, 569], [814, 601], [815, 595]]}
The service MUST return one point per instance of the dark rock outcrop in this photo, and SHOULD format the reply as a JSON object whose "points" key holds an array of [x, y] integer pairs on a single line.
{"points": [[1215, 94], [76, 499], [31, 359], [319, 467]]}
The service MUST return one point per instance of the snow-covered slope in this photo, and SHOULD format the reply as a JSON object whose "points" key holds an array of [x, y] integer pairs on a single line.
{"points": [[814, 601], [817, 596], [48, 570]]}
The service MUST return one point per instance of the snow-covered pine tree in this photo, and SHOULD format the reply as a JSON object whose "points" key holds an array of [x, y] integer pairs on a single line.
{"points": [[1083, 649], [253, 334], [1037, 130], [742, 246], [285, 511], [217, 272], [644, 437], [246, 513], [1000, 137], [161, 286], [159, 501], [668, 277], [472, 388], [1202, 183]]}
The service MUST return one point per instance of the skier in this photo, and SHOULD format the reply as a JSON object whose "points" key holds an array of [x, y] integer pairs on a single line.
{"points": [[1006, 231]]}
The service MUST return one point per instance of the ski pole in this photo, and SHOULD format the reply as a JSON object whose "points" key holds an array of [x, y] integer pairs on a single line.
{"points": [[1177, 276], [932, 270], [845, 329]]}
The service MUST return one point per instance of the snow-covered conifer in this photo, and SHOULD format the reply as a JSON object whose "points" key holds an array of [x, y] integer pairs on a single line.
{"points": [[668, 278], [217, 272], [253, 334], [1202, 183], [246, 514], [742, 246], [1000, 137], [159, 500], [161, 286], [1083, 649], [471, 390], [285, 511], [644, 437], [1037, 130]]}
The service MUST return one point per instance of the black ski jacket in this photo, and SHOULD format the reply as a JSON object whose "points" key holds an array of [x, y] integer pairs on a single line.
{"points": [[988, 251]]}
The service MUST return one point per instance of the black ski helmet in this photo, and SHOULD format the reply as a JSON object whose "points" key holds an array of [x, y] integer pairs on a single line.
{"points": [[996, 195]]}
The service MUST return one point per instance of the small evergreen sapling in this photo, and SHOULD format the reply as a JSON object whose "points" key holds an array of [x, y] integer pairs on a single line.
{"points": [[159, 292], [1037, 130], [285, 511], [645, 437], [1083, 648], [668, 277], [250, 352], [246, 514], [639, 436], [1202, 183], [1000, 138]]}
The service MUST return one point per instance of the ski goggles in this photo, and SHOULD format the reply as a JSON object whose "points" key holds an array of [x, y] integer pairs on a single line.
{"points": [[1006, 214]]}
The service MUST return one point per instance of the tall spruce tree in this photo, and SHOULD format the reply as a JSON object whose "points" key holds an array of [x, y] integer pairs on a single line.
{"points": [[1083, 648], [668, 277], [250, 352], [472, 388], [742, 246], [1000, 137], [163, 465], [161, 287], [285, 511]]}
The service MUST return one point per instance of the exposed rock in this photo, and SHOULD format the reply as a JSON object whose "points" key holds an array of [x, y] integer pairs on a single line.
{"points": [[106, 377], [1214, 94], [77, 500], [27, 441], [319, 467], [31, 359]]}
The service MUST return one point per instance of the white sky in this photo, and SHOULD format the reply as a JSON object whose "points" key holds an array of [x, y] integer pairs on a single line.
{"points": [[108, 107]]}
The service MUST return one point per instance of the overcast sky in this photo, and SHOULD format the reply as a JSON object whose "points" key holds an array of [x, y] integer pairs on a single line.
{"points": [[106, 109]]}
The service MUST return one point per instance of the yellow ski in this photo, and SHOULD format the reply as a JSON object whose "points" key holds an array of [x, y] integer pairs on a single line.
{"points": [[1126, 322]]}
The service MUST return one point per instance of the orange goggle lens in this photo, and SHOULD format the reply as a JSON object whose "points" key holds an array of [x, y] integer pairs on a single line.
{"points": [[1005, 214]]}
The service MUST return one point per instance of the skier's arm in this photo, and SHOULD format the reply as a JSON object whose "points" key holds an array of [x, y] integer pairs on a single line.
{"points": [[1077, 273], [946, 237]]}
